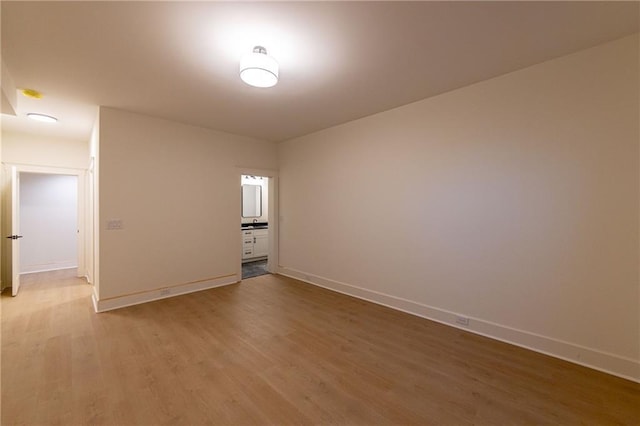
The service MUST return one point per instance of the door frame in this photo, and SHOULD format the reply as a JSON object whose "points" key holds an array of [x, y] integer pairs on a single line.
{"points": [[272, 209], [14, 226], [82, 211]]}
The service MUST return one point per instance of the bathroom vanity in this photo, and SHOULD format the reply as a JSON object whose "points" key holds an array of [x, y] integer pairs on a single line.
{"points": [[255, 226], [255, 242]]}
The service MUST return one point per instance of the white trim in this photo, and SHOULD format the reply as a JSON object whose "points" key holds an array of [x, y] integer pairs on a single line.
{"points": [[626, 368], [57, 266], [50, 170], [159, 293], [94, 299]]}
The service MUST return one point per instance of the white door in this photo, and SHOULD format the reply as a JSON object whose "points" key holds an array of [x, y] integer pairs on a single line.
{"points": [[15, 231]]}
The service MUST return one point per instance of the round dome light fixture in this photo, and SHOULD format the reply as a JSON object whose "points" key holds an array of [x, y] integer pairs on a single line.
{"points": [[42, 117], [258, 69]]}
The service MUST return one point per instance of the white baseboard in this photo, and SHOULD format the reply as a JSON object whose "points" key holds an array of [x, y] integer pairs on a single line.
{"points": [[626, 368], [46, 267], [103, 305]]}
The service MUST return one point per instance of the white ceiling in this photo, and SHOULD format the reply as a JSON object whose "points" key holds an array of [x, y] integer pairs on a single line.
{"points": [[338, 60]]}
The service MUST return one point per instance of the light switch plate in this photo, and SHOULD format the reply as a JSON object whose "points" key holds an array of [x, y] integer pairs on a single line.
{"points": [[114, 224]]}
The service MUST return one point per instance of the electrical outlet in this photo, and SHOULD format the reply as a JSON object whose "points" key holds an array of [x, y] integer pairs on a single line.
{"points": [[462, 320]]}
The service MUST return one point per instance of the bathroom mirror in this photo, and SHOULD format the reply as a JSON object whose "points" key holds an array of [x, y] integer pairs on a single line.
{"points": [[251, 201]]}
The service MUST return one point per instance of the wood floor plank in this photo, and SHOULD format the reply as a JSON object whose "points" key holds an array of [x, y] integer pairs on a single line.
{"points": [[275, 351]]}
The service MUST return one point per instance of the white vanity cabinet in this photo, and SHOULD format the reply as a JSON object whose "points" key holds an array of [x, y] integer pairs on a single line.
{"points": [[260, 242], [247, 244], [255, 243]]}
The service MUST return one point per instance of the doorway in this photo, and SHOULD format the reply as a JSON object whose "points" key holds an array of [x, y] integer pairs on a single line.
{"points": [[43, 217], [48, 222], [254, 225]]}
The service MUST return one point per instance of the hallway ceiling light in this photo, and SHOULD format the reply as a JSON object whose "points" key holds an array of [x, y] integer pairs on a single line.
{"points": [[259, 69], [42, 117]]}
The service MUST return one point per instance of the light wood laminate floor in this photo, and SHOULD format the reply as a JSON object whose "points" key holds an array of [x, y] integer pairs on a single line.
{"points": [[274, 351]]}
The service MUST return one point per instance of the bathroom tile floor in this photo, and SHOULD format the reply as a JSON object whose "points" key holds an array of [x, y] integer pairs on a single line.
{"points": [[254, 269]]}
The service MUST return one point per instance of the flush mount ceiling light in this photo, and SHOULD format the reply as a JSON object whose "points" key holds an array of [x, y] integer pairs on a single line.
{"points": [[42, 117], [259, 69]]}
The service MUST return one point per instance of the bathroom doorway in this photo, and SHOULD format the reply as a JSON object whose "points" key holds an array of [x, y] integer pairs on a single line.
{"points": [[254, 225]]}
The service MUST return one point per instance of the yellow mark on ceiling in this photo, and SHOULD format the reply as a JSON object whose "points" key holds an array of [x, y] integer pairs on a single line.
{"points": [[31, 93]]}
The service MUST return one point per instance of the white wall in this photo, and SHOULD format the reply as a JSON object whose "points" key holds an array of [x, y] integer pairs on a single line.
{"points": [[513, 201], [21, 148], [175, 189], [48, 222]]}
